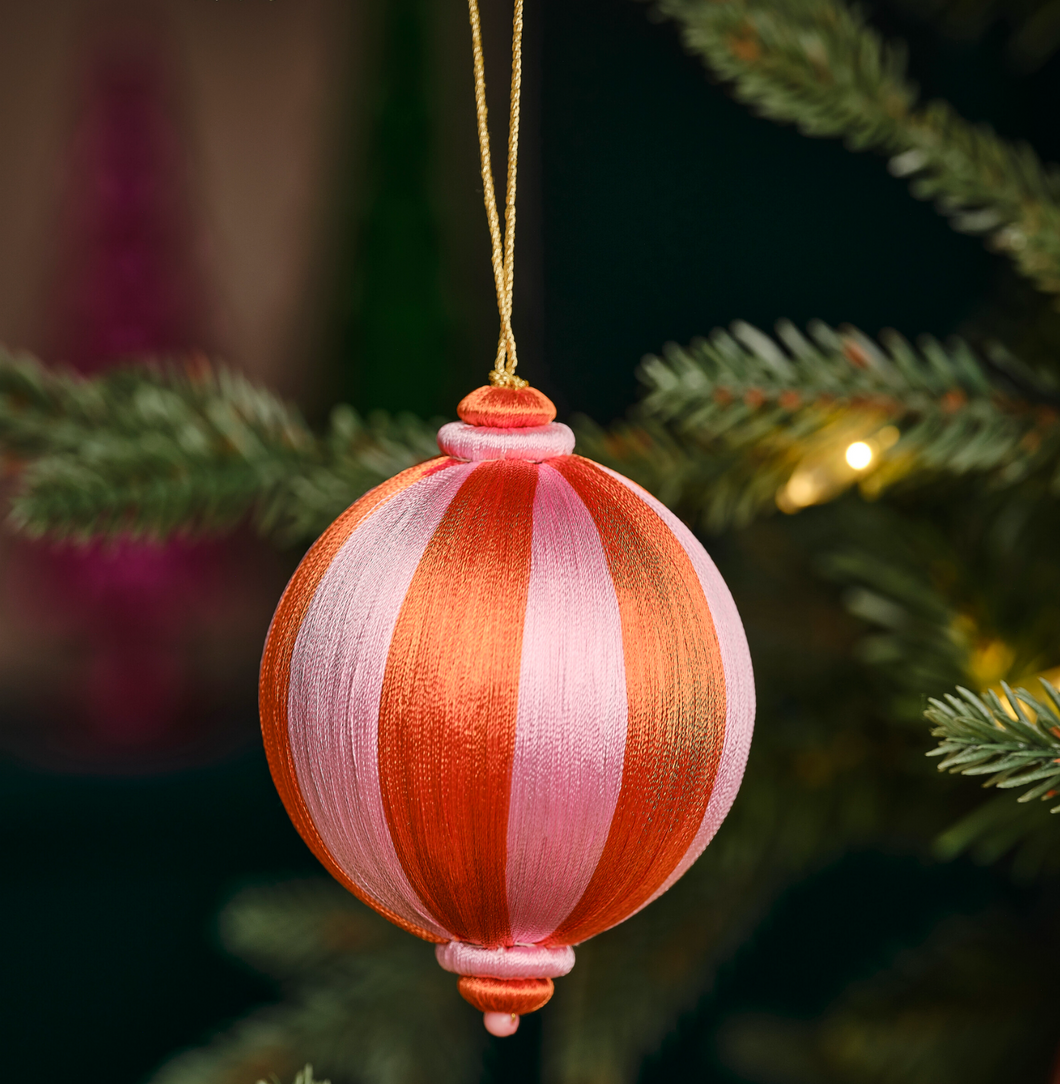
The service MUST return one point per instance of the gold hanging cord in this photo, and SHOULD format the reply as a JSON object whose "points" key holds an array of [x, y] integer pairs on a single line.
{"points": [[503, 374]]}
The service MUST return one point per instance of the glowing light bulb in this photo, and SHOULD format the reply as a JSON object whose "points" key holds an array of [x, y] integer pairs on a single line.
{"points": [[802, 490], [859, 455]]}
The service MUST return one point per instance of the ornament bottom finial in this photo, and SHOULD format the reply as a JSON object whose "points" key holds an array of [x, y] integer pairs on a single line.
{"points": [[505, 983], [507, 996], [501, 1024]]}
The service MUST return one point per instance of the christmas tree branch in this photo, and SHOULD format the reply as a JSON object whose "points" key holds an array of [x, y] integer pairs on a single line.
{"points": [[818, 65], [947, 602], [970, 1005], [729, 426], [156, 450], [349, 978], [303, 1076], [739, 420], [1016, 744]]}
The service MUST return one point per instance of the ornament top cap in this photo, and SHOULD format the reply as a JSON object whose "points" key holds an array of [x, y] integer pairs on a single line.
{"points": [[506, 408]]}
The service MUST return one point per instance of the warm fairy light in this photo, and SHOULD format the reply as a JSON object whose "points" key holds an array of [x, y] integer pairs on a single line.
{"points": [[801, 491], [859, 455], [828, 471]]}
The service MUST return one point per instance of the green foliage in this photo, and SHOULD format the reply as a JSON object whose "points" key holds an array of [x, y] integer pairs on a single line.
{"points": [[726, 425], [732, 420], [303, 1076], [819, 65], [1034, 29], [1015, 745], [973, 1006], [162, 450], [364, 1001], [896, 580], [1001, 829], [963, 600]]}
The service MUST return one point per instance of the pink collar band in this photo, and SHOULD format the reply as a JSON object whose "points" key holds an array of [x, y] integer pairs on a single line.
{"points": [[535, 444]]}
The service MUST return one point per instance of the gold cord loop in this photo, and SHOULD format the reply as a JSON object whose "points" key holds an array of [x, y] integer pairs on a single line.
{"points": [[503, 374]]}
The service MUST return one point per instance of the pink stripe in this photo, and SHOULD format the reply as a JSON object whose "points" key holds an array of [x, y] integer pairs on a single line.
{"points": [[337, 672], [739, 683], [570, 734]]}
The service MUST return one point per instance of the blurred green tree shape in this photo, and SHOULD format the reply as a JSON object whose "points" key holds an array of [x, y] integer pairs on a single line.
{"points": [[1033, 26], [819, 65], [973, 1006]]}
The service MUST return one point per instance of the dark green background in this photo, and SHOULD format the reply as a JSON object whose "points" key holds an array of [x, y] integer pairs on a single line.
{"points": [[667, 209]]}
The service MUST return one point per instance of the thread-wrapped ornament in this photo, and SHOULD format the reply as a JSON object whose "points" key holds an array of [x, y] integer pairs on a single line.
{"points": [[507, 700]]}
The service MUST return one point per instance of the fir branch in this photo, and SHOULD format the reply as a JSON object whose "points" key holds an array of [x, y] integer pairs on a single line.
{"points": [[726, 425], [303, 1076], [159, 450], [819, 65], [1031, 26], [949, 602], [350, 979], [748, 412], [972, 1004], [915, 641], [1017, 746]]}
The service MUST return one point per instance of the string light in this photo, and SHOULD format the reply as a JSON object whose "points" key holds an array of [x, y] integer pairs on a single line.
{"points": [[826, 473], [802, 490], [859, 455]]}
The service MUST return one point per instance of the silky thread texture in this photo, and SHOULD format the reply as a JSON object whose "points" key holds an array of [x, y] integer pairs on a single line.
{"points": [[274, 682], [506, 408], [739, 680], [572, 720], [518, 996], [337, 672], [517, 962], [507, 703], [447, 718], [476, 443], [675, 685]]}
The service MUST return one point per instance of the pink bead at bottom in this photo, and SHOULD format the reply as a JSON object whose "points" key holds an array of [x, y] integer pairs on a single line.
{"points": [[501, 1024]]}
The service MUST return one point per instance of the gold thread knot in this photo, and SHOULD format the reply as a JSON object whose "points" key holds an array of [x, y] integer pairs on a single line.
{"points": [[502, 378]]}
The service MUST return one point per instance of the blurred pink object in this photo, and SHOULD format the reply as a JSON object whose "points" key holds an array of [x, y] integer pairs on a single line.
{"points": [[131, 284], [128, 292]]}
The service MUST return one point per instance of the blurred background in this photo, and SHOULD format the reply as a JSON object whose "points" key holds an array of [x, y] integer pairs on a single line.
{"points": [[293, 187]]}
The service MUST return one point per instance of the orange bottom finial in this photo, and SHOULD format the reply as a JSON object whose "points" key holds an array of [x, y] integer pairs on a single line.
{"points": [[503, 1001]]}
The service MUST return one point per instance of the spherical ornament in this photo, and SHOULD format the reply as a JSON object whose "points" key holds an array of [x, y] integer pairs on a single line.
{"points": [[507, 700]]}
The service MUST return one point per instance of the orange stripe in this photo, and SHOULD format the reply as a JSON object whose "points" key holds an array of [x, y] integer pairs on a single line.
{"points": [[275, 678], [675, 686], [448, 706]]}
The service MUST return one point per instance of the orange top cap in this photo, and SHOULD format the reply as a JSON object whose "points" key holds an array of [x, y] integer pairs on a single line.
{"points": [[506, 408]]}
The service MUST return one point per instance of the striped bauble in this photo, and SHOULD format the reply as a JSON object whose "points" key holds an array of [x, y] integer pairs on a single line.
{"points": [[507, 699]]}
